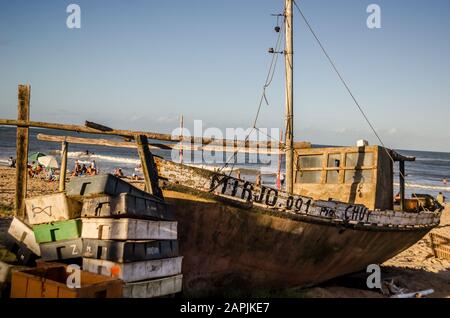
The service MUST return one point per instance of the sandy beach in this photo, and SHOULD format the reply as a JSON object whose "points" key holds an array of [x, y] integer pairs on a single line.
{"points": [[415, 269]]}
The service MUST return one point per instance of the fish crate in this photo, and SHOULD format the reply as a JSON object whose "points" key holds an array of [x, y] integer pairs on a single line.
{"points": [[57, 231], [24, 255], [154, 288], [136, 271], [101, 184], [23, 233], [129, 251], [51, 282], [128, 229], [440, 245], [52, 208], [125, 205], [61, 250]]}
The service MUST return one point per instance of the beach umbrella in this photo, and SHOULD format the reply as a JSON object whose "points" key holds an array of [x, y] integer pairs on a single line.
{"points": [[48, 162], [35, 156]]}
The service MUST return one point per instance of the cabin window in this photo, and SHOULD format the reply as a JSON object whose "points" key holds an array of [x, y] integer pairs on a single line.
{"points": [[342, 167], [334, 160], [308, 176], [359, 159], [333, 176], [310, 161], [358, 176]]}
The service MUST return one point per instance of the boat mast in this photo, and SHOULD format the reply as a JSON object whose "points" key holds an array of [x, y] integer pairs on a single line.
{"points": [[289, 121]]}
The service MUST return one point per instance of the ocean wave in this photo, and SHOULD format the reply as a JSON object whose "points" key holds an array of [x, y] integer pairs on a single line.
{"points": [[433, 159], [87, 158], [425, 186]]}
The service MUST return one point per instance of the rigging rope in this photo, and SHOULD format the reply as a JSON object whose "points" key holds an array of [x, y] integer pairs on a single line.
{"points": [[269, 79], [344, 82]]}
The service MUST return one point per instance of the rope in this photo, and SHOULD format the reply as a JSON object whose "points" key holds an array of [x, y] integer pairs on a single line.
{"points": [[269, 79]]}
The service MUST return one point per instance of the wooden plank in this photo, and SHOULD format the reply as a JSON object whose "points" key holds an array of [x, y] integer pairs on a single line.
{"points": [[148, 166], [93, 125], [126, 144], [23, 108], [151, 135], [63, 170]]}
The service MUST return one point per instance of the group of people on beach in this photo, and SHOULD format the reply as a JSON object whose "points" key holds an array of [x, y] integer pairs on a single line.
{"points": [[83, 170], [36, 170]]}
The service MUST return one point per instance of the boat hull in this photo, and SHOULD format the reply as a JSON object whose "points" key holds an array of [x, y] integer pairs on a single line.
{"points": [[232, 248]]}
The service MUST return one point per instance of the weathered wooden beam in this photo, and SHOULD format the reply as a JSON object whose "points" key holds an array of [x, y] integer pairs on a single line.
{"points": [[23, 108], [100, 127], [398, 157], [63, 170], [126, 144], [148, 166], [195, 141]]}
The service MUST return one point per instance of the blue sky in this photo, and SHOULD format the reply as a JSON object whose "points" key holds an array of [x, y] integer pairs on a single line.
{"points": [[141, 64]]}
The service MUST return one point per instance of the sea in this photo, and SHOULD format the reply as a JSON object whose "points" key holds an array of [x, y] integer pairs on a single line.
{"points": [[425, 175]]}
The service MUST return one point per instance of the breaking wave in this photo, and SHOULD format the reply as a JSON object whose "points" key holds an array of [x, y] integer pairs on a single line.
{"points": [[425, 187], [83, 158]]}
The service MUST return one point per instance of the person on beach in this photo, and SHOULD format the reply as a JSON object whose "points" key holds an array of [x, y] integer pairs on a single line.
{"points": [[258, 179], [94, 169], [30, 171], [77, 170], [118, 173], [282, 179], [440, 198], [50, 175], [83, 169], [11, 162], [444, 181], [238, 174]]}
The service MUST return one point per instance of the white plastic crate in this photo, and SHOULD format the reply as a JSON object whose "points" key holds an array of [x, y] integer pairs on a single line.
{"points": [[136, 271], [154, 288], [128, 229], [24, 234], [52, 208]]}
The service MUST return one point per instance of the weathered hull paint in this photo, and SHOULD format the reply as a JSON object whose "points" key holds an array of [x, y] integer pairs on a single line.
{"points": [[226, 247]]}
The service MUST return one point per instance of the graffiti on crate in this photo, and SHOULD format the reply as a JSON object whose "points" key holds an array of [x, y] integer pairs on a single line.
{"points": [[38, 210]]}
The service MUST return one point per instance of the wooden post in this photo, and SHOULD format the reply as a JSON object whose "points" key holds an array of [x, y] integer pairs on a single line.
{"points": [[289, 67], [63, 170], [23, 108], [401, 164], [148, 166]]}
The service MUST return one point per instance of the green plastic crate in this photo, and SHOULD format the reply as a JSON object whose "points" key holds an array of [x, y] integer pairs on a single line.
{"points": [[57, 231]]}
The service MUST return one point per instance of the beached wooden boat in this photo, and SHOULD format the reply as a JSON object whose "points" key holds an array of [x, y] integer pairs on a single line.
{"points": [[335, 217], [236, 235]]}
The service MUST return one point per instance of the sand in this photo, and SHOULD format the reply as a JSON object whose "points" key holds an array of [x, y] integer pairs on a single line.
{"points": [[415, 269]]}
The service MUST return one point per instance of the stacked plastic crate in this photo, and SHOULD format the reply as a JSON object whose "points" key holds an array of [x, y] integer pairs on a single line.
{"points": [[127, 233], [56, 225]]}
